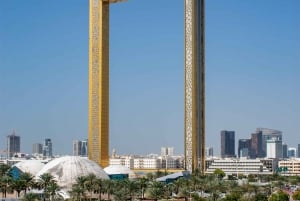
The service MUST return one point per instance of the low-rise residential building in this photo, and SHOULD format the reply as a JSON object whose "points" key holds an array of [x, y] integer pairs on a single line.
{"points": [[289, 167], [236, 166]]}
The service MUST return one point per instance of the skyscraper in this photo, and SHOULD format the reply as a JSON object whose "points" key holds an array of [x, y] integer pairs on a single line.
{"points": [[47, 148], [244, 148], [284, 150], [13, 144], [292, 152], [256, 145], [167, 151], [79, 148], [298, 149], [209, 152], [227, 144], [268, 134], [274, 148], [37, 148]]}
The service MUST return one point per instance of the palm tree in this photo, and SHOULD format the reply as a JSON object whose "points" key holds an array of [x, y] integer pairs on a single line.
{"points": [[80, 181], [52, 189], [168, 190], [99, 186], [5, 184], [77, 192], [30, 197], [132, 188], [43, 183], [28, 178], [142, 184], [19, 185], [90, 184], [120, 192], [4, 169], [156, 190], [184, 188], [109, 187]]}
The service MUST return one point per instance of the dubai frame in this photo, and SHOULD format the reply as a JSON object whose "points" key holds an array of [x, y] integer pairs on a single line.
{"points": [[194, 118]]}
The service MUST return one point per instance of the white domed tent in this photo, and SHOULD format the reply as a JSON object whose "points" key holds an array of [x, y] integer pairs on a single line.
{"points": [[27, 166], [66, 169], [30, 166]]}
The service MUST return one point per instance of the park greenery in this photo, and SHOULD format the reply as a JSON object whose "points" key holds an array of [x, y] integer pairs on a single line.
{"points": [[197, 187]]}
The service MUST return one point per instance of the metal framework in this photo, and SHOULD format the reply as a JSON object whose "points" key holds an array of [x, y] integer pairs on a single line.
{"points": [[194, 136]]}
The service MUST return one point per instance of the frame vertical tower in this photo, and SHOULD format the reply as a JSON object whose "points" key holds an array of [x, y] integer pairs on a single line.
{"points": [[98, 139], [194, 85]]}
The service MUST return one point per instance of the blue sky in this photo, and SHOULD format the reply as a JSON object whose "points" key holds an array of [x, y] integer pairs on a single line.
{"points": [[252, 68]]}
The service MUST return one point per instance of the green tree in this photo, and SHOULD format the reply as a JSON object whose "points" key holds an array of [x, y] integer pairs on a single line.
{"points": [[52, 189], [142, 184], [131, 187], [296, 195], [156, 190], [28, 178], [43, 183], [109, 187], [219, 173], [5, 184], [30, 197], [260, 197], [19, 185], [4, 169], [77, 192], [120, 192], [99, 187], [280, 195], [90, 184]]}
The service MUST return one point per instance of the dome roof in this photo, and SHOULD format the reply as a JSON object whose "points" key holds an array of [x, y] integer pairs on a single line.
{"points": [[119, 169], [30, 166], [66, 169]]}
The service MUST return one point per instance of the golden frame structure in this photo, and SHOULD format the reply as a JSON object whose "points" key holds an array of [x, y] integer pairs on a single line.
{"points": [[194, 118]]}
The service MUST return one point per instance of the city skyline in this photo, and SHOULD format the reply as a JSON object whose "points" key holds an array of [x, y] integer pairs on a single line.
{"points": [[252, 59]]}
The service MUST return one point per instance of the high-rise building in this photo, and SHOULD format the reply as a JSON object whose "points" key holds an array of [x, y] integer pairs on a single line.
{"points": [[274, 148], [227, 144], [292, 152], [256, 145], [13, 144], [84, 148], [284, 150], [37, 148], [209, 151], [268, 134], [167, 151], [244, 148], [79, 148], [298, 155], [47, 148]]}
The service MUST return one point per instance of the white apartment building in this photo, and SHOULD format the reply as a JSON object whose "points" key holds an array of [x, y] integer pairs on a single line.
{"points": [[147, 163], [126, 161], [289, 167], [236, 166], [168, 162]]}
